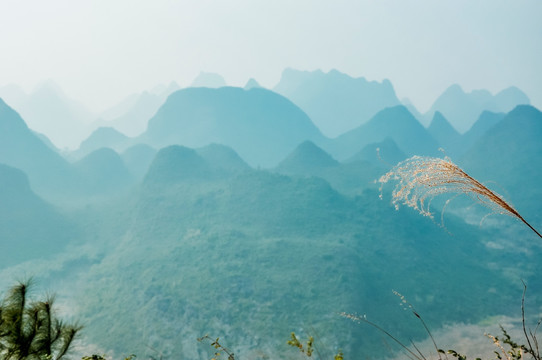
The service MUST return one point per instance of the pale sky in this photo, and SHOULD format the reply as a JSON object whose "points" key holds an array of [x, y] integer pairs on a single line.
{"points": [[103, 50]]}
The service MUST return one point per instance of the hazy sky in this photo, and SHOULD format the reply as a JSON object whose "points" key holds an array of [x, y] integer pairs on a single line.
{"points": [[101, 51]]}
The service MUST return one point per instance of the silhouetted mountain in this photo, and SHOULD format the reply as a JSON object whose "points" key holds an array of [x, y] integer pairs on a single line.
{"points": [[251, 83], [443, 132], [463, 109], [100, 138], [306, 158], [260, 125], [21, 148], [208, 80], [29, 227], [396, 123], [138, 158], [103, 172], [384, 154], [334, 101], [510, 155]]}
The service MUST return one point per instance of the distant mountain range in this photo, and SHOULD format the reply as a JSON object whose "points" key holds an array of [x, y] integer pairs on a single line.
{"points": [[208, 80], [49, 111], [334, 101], [179, 233], [131, 115], [463, 109]]}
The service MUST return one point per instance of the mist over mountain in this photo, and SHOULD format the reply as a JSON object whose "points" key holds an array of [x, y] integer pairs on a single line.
{"points": [[396, 123], [208, 80], [49, 111], [137, 159], [131, 115], [334, 101], [462, 109], [260, 125], [100, 138], [12, 94]]}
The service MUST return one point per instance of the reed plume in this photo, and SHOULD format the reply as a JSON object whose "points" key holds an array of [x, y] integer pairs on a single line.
{"points": [[421, 178]]}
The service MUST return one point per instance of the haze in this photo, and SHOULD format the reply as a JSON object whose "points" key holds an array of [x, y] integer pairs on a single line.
{"points": [[99, 52]]}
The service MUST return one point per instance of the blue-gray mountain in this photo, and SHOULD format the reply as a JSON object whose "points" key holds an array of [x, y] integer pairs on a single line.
{"points": [[30, 228], [262, 126], [262, 255], [336, 102], [396, 123], [462, 109], [510, 155]]}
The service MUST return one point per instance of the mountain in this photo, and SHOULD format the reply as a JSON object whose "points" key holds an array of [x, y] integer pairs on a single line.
{"points": [[21, 148], [174, 164], [383, 154], [251, 83], [443, 132], [485, 122], [260, 125], [462, 109], [100, 138], [223, 157], [305, 158], [336, 102], [30, 228], [49, 111], [510, 155], [208, 80], [131, 116], [309, 160], [256, 256], [103, 172], [396, 123], [137, 159]]}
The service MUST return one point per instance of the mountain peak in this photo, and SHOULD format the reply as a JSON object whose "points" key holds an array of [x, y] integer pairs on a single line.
{"points": [[209, 80], [252, 83], [176, 163], [307, 156]]}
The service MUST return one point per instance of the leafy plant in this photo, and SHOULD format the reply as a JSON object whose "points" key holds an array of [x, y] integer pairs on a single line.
{"points": [[218, 347], [309, 349], [30, 330]]}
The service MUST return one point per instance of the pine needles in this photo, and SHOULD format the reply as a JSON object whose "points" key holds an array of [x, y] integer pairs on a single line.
{"points": [[421, 178]]}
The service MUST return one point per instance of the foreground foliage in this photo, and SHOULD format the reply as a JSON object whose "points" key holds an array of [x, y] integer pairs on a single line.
{"points": [[30, 329]]}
